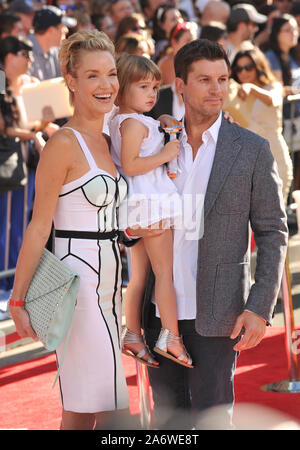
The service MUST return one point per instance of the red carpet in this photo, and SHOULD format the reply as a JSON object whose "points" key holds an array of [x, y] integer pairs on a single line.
{"points": [[28, 401]]}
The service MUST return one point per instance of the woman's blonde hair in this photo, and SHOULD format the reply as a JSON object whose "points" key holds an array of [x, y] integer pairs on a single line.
{"points": [[132, 68], [71, 49]]}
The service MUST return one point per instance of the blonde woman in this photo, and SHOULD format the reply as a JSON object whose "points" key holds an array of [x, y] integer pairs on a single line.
{"points": [[78, 186]]}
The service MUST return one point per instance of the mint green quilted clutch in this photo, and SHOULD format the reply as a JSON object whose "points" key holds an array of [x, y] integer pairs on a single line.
{"points": [[51, 298]]}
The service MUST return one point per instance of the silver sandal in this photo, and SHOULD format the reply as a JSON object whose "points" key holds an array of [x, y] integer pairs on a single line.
{"points": [[129, 337], [166, 338]]}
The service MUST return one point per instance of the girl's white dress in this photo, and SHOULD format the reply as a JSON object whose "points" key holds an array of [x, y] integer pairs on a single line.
{"points": [[152, 197]]}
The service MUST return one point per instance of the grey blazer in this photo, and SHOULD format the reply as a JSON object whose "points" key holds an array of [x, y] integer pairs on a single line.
{"points": [[244, 188]]}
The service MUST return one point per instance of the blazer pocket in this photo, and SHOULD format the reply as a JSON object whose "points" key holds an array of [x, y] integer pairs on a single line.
{"points": [[231, 290], [234, 197]]}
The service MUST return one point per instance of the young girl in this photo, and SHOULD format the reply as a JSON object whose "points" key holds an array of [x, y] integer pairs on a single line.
{"points": [[138, 151]]}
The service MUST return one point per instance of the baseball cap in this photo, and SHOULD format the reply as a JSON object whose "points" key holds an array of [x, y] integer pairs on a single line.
{"points": [[21, 6], [50, 16], [250, 11]]}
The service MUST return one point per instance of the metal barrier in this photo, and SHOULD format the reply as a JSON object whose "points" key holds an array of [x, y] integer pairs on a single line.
{"points": [[9, 272], [292, 384], [145, 394], [145, 398], [6, 273]]}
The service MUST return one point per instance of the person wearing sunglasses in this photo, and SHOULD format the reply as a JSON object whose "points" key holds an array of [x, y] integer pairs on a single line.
{"points": [[134, 23], [250, 69]]}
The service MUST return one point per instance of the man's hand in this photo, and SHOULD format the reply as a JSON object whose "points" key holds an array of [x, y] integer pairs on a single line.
{"points": [[255, 329], [168, 121]]}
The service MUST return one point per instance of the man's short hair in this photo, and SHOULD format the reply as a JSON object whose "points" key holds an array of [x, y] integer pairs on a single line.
{"points": [[195, 51], [7, 22]]}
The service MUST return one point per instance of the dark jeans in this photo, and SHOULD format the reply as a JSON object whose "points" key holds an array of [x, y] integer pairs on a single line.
{"points": [[181, 395]]}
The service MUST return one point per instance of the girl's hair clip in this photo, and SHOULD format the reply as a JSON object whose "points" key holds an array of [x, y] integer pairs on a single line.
{"points": [[159, 13], [179, 26]]}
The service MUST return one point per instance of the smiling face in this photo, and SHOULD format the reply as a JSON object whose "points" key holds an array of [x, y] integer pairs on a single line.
{"points": [[95, 84], [205, 89]]}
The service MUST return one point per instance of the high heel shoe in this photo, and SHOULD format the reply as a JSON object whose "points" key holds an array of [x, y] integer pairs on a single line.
{"points": [[165, 339], [129, 337]]}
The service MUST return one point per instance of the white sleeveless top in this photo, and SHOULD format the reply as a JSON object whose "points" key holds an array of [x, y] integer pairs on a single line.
{"points": [[152, 196], [91, 202]]}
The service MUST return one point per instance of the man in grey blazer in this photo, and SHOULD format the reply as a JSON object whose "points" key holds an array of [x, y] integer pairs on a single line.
{"points": [[219, 313]]}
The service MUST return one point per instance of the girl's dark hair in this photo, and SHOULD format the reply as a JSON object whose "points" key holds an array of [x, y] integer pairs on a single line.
{"points": [[197, 50], [263, 71], [278, 22], [159, 17], [12, 44]]}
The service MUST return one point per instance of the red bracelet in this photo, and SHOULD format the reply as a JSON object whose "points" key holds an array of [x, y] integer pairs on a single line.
{"points": [[16, 302], [127, 232]]}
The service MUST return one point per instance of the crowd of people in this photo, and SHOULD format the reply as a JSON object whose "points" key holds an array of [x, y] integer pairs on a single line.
{"points": [[256, 45]]}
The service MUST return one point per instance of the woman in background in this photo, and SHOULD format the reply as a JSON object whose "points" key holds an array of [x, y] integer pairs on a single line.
{"points": [[180, 35], [165, 18], [251, 70]]}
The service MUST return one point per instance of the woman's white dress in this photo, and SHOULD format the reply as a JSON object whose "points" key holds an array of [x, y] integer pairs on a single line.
{"points": [[92, 377]]}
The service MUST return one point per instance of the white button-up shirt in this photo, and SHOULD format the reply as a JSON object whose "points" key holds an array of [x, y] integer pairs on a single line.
{"points": [[191, 183]]}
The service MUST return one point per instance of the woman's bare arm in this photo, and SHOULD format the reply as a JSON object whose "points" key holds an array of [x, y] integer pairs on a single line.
{"points": [[52, 170], [133, 132]]}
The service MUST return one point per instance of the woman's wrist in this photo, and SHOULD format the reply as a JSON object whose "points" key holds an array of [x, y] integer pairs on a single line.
{"points": [[19, 303]]}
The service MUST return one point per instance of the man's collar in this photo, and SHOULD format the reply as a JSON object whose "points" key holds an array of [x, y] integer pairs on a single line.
{"points": [[213, 130]]}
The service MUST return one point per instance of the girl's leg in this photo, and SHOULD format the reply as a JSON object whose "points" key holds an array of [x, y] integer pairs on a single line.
{"points": [[160, 252], [139, 262]]}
